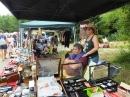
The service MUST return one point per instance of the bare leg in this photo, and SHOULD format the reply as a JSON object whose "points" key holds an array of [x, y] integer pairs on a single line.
{"points": [[0, 52], [5, 50], [2, 57], [10, 53]]}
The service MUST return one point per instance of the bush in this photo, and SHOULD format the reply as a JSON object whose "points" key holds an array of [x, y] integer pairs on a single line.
{"points": [[100, 37]]}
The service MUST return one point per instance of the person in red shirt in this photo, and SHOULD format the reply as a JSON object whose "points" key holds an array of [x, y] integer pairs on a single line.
{"points": [[74, 69]]}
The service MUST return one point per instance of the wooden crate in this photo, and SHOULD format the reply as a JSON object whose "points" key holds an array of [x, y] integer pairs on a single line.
{"points": [[100, 71]]}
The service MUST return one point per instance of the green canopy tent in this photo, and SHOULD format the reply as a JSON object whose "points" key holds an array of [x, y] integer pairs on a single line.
{"points": [[44, 25]]}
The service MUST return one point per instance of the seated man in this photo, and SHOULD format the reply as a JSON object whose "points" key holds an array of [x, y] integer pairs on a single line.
{"points": [[39, 47], [74, 69], [46, 47]]}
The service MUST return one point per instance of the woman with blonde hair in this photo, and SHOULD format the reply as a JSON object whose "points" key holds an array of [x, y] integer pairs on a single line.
{"points": [[91, 44], [3, 45]]}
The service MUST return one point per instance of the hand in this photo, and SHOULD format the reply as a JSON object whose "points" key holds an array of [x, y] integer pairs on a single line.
{"points": [[84, 55], [72, 61]]}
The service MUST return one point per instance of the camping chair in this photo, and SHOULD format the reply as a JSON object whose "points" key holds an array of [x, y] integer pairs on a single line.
{"points": [[85, 69]]}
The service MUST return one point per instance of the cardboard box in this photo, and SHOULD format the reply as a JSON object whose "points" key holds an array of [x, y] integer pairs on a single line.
{"points": [[111, 44], [123, 89]]}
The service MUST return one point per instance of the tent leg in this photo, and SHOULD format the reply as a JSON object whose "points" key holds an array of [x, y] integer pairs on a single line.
{"points": [[21, 36], [74, 31]]}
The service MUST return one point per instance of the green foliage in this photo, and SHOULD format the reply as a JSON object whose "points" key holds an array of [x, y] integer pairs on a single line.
{"points": [[9, 23], [112, 37], [50, 33], [115, 24], [100, 37]]}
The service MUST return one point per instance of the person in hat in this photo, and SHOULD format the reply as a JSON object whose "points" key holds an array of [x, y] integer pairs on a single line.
{"points": [[91, 44]]}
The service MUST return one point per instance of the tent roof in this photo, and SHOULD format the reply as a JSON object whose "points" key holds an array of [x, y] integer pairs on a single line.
{"points": [[46, 24], [60, 10]]}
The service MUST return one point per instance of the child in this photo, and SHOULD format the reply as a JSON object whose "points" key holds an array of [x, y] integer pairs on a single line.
{"points": [[46, 47], [10, 48]]}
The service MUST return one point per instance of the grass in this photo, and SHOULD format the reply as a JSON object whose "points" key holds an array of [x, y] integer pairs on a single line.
{"points": [[61, 55], [116, 56]]}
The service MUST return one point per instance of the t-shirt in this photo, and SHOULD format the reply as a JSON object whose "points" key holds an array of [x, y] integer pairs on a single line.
{"points": [[4, 39], [75, 72], [11, 40], [2, 36], [41, 47]]}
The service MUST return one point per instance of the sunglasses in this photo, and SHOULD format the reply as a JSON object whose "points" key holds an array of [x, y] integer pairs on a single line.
{"points": [[88, 29]]}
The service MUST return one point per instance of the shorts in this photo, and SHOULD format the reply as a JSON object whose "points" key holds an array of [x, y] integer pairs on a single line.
{"points": [[3, 46], [95, 59]]}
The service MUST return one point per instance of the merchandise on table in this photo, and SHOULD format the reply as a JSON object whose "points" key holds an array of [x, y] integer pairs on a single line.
{"points": [[48, 86], [104, 81], [74, 85]]}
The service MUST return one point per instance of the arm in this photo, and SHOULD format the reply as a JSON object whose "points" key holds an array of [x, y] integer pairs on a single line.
{"points": [[96, 46], [11, 45], [67, 60], [73, 66], [6, 40], [82, 59]]}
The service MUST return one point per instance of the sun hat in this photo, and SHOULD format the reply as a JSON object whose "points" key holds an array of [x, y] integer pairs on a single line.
{"points": [[90, 26]]}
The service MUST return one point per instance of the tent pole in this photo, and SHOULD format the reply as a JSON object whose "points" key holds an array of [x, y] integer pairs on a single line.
{"points": [[21, 36], [74, 31], [18, 37]]}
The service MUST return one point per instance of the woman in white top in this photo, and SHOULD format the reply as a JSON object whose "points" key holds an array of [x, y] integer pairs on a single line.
{"points": [[10, 48], [12, 40]]}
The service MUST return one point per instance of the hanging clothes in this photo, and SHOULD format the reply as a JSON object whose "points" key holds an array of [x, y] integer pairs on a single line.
{"points": [[67, 35], [62, 39]]}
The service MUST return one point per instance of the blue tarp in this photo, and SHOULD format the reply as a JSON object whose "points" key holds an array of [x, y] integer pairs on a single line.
{"points": [[46, 24], [45, 36]]}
